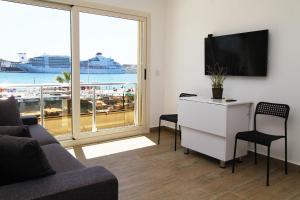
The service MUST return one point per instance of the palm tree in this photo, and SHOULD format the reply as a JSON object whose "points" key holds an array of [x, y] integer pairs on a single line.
{"points": [[66, 78]]}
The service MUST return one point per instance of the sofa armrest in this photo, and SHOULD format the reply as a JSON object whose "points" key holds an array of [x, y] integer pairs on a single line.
{"points": [[84, 184], [29, 120]]}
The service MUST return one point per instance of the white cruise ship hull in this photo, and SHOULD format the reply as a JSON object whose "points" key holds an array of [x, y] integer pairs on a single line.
{"points": [[83, 70]]}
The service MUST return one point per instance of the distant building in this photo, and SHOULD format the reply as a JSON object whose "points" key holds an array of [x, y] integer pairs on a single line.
{"points": [[130, 69]]}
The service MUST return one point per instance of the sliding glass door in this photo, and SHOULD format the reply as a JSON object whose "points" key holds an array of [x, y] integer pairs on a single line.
{"points": [[79, 70], [35, 62], [108, 71]]}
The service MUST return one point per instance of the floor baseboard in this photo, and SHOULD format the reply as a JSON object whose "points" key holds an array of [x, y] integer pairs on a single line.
{"points": [[162, 128]]}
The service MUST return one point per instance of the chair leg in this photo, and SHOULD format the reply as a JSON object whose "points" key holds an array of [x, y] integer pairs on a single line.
{"points": [[158, 140], [268, 166], [175, 135], [180, 131], [255, 154], [234, 154], [186, 151], [285, 162]]}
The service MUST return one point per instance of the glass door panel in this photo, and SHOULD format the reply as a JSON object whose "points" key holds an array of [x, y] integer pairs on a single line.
{"points": [[130, 104], [108, 71], [57, 109], [86, 108], [35, 63]]}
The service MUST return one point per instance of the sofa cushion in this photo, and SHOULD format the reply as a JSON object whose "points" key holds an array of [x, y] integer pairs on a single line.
{"points": [[92, 183], [60, 159], [41, 135], [21, 158], [18, 131], [29, 120], [9, 113]]}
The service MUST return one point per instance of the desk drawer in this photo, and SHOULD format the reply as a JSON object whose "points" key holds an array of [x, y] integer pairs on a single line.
{"points": [[210, 118], [208, 144]]}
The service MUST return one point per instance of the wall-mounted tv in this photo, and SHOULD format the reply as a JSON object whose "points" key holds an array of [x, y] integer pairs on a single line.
{"points": [[242, 54]]}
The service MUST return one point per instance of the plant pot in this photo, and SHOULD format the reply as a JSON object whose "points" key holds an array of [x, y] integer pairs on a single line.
{"points": [[217, 93]]}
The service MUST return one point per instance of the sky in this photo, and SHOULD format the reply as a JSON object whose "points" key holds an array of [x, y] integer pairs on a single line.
{"points": [[36, 31]]}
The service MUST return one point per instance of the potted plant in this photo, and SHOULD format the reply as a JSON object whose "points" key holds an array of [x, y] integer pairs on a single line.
{"points": [[217, 76]]}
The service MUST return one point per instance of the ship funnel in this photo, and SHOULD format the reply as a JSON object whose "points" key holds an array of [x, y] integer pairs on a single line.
{"points": [[99, 56], [22, 57]]}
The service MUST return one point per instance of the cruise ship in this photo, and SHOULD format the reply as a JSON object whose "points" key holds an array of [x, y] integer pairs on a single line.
{"points": [[57, 64]]}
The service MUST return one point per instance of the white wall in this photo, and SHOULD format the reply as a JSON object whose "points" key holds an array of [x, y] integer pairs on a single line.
{"points": [[188, 22], [156, 9]]}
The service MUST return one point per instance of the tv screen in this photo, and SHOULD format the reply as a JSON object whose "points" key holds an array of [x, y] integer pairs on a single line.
{"points": [[243, 54]]}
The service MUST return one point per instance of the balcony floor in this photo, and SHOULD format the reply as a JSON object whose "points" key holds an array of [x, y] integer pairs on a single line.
{"points": [[62, 125]]}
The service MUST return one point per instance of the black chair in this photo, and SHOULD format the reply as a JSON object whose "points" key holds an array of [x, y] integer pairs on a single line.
{"points": [[264, 108], [172, 118]]}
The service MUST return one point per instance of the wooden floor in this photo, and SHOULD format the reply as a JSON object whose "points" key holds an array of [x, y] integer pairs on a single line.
{"points": [[158, 172]]}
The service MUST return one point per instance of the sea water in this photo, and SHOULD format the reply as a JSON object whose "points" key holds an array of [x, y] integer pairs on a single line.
{"points": [[44, 78]]}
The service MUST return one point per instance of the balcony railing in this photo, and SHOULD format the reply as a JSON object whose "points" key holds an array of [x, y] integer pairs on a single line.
{"points": [[104, 105]]}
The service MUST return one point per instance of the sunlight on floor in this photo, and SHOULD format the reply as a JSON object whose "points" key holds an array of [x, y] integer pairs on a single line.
{"points": [[72, 152], [104, 149]]}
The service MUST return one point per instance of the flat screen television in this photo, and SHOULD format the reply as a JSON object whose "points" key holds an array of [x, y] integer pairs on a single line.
{"points": [[242, 54]]}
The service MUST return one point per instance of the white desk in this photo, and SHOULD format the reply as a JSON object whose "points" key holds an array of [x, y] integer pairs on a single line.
{"points": [[209, 126]]}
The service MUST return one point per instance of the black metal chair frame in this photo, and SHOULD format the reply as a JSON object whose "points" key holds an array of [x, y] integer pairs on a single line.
{"points": [[172, 118], [159, 128], [265, 108]]}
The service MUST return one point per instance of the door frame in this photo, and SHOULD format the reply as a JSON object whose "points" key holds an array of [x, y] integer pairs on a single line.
{"points": [[144, 61], [141, 87]]}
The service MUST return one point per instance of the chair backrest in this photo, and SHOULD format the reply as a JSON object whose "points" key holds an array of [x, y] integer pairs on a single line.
{"points": [[187, 95], [274, 109]]}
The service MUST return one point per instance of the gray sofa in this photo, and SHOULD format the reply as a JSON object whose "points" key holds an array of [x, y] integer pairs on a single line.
{"points": [[72, 179]]}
